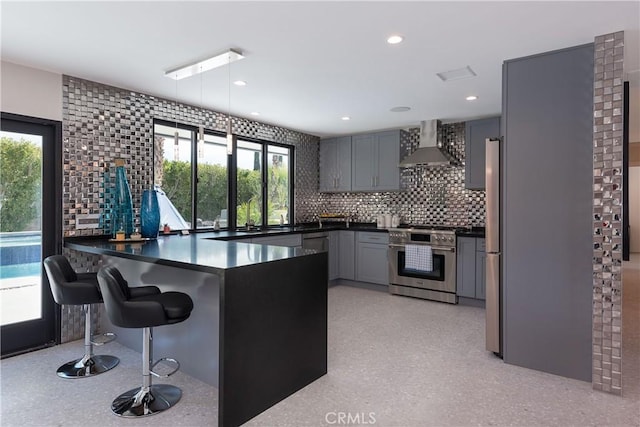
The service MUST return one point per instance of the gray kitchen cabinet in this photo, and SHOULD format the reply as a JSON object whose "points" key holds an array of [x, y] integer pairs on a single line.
{"points": [[335, 164], [334, 254], [470, 268], [481, 262], [375, 159], [476, 132], [466, 267], [372, 262], [346, 250]]}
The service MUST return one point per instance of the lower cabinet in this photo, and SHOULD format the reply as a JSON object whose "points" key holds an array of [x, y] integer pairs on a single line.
{"points": [[470, 268], [334, 254], [353, 255], [372, 261], [347, 255]]}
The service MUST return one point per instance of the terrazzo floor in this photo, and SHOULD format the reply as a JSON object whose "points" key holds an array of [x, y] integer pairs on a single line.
{"points": [[393, 361]]}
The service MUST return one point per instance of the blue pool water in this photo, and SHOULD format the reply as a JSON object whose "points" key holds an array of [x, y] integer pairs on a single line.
{"points": [[19, 270]]}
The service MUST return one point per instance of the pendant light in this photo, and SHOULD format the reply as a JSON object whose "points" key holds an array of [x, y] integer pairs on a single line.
{"points": [[176, 137], [201, 127], [229, 129]]}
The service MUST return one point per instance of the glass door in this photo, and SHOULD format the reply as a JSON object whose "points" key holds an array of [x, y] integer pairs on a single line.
{"points": [[30, 185]]}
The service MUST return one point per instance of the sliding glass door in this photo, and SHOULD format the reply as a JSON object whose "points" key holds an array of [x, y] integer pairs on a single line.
{"points": [[29, 230]]}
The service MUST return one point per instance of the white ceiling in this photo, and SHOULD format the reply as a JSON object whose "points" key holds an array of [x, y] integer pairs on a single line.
{"points": [[310, 63]]}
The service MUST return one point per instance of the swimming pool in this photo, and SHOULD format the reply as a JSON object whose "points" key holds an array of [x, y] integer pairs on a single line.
{"points": [[20, 270]]}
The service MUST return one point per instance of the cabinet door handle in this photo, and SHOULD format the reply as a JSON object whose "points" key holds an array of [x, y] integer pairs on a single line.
{"points": [[373, 181], [337, 182]]}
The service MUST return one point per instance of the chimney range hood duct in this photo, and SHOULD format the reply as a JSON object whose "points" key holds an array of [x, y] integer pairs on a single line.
{"points": [[428, 152]]}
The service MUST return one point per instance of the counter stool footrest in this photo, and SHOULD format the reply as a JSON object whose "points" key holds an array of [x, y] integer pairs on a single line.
{"points": [[103, 339], [165, 359]]}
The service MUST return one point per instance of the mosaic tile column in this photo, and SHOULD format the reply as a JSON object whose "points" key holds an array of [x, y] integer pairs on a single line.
{"points": [[607, 212]]}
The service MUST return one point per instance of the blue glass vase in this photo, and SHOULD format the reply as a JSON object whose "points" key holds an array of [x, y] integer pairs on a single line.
{"points": [[123, 204], [149, 214]]}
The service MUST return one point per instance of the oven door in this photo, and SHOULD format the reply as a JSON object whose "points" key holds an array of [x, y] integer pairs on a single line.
{"points": [[441, 278]]}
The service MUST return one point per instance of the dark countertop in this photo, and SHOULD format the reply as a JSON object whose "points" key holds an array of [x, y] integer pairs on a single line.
{"points": [[471, 232], [300, 228], [196, 251], [209, 251]]}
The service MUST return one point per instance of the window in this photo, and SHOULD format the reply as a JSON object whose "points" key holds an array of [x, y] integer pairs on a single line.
{"points": [[213, 182], [278, 185], [199, 181], [249, 179], [175, 176]]}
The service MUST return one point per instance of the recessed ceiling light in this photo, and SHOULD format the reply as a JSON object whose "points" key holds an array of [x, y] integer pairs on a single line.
{"points": [[345, 118], [395, 39], [240, 83], [471, 98], [255, 113], [400, 109], [460, 73]]}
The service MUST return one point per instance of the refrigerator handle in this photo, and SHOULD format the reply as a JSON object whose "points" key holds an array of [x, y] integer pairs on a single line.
{"points": [[492, 188], [492, 310]]}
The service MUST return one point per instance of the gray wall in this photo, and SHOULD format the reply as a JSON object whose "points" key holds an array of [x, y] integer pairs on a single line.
{"points": [[547, 178]]}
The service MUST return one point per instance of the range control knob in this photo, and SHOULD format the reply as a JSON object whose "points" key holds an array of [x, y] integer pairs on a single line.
{"points": [[451, 239], [436, 238]]}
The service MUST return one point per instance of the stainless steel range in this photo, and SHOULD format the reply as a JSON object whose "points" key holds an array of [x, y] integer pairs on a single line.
{"points": [[438, 282]]}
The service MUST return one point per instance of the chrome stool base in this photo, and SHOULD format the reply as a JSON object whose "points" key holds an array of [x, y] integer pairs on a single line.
{"points": [[140, 403], [87, 367]]}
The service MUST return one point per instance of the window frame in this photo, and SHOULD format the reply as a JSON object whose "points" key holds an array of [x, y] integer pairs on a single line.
{"points": [[232, 169]]}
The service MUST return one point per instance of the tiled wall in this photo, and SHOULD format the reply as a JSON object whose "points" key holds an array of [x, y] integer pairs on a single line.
{"points": [[434, 196], [607, 212]]}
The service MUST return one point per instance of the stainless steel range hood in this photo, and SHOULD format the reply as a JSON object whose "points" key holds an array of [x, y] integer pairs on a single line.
{"points": [[428, 152]]}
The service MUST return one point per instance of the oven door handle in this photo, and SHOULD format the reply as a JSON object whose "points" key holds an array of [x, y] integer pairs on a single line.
{"points": [[434, 248]]}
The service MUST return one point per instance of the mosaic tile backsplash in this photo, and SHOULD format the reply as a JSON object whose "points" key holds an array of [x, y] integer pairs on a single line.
{"points": [[433, 196], [607, 213]]}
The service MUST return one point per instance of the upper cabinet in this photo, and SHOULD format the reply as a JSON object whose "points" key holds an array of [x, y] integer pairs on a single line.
{"points": [[476, 132], [375, 159], [335, 164]]}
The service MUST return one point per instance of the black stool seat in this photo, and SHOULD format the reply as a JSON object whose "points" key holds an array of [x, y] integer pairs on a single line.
{"points": [[176, 306], [67, 286], [129, 308]]}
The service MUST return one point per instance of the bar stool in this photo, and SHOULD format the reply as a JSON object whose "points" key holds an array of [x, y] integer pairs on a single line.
{"points": [[127, 310], [70, 288]]}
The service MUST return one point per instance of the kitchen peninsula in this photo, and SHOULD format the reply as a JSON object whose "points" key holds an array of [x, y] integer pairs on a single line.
{"points": [[258, 331]]}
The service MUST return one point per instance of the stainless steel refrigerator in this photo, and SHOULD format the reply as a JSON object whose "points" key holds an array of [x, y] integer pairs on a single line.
{"points": [[492, 228]]}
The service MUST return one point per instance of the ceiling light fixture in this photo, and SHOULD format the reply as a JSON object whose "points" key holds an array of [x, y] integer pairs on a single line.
{"points": [[229, 127], [400, 109], [255, 113], [205, 65], [201, 127], [176, 138], [240, 83], [345, 118], [395, 39], [471, 98]]}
